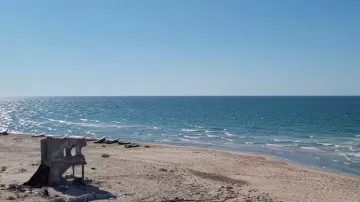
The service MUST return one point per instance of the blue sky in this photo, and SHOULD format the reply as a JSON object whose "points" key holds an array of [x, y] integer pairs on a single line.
{"points": [[188, 47]]}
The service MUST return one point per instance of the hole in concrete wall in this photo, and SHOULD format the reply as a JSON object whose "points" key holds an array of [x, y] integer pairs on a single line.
{"points": [[73, 151]]}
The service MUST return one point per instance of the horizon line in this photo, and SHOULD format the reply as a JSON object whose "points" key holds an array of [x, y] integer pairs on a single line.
{"points": [[28, 96]]}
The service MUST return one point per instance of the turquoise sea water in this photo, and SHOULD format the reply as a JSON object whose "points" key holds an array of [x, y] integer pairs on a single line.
{"points": [[315, 131]]}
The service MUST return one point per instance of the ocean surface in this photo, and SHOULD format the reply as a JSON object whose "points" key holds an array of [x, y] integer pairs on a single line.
{"points": [[322, 132]]}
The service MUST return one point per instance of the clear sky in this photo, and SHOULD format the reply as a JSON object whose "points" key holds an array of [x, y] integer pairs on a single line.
{"points": [[173, 47]]}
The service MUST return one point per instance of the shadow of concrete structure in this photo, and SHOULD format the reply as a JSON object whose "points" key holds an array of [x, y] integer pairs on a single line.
{"points": [[79, 190]]}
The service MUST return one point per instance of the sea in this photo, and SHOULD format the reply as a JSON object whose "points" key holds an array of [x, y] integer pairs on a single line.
{"points": [[322, 132]]}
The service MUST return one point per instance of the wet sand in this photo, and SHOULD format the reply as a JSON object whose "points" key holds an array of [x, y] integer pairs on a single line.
{"points": [[172, 173]]}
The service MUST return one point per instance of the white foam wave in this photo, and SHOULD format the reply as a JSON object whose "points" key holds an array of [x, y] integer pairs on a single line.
{"points": [[273, 145], [356, 154], [346, 163], [94, 125], [90, 133], [227, 139], [67, 122], [347, 158], [163, 140], [199, 127], [211, 131], [310, 148], [317, 157], [352, 157], [190, 130], [212, 136], [191, 137], [280, 140], [352, 149], [249, 143], [229, 134], [83, 119], [185, 140]]}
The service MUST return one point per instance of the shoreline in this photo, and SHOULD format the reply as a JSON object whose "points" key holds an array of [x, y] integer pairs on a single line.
{"points": [[163, 172], [267, 156], [244, 153]]}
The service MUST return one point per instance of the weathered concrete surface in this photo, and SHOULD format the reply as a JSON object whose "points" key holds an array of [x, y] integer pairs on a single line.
{"points": [[56, 158]]}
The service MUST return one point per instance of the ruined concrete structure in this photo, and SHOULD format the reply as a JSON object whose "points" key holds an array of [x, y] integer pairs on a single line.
{"points": [[56, 158]]}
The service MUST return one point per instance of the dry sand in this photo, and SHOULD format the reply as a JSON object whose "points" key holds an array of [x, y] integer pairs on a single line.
{"points": [[169, 173]]}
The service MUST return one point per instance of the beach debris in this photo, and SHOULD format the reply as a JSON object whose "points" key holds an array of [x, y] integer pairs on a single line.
{"points": [[10, 198], [22, 170], [90, 138], [101, 140], [56, 158], [3, 169], [147, 146], [86, 197], [123, 142], [176, 199], [44, 192], [39, 135], [131, 145], [4, 133], [163, 170], [93, 168], [15, 187], [112, 141], [105, 155], [126, 194]]}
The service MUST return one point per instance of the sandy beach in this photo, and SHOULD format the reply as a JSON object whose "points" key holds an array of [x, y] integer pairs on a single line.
{"points": [[171, 173]]}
